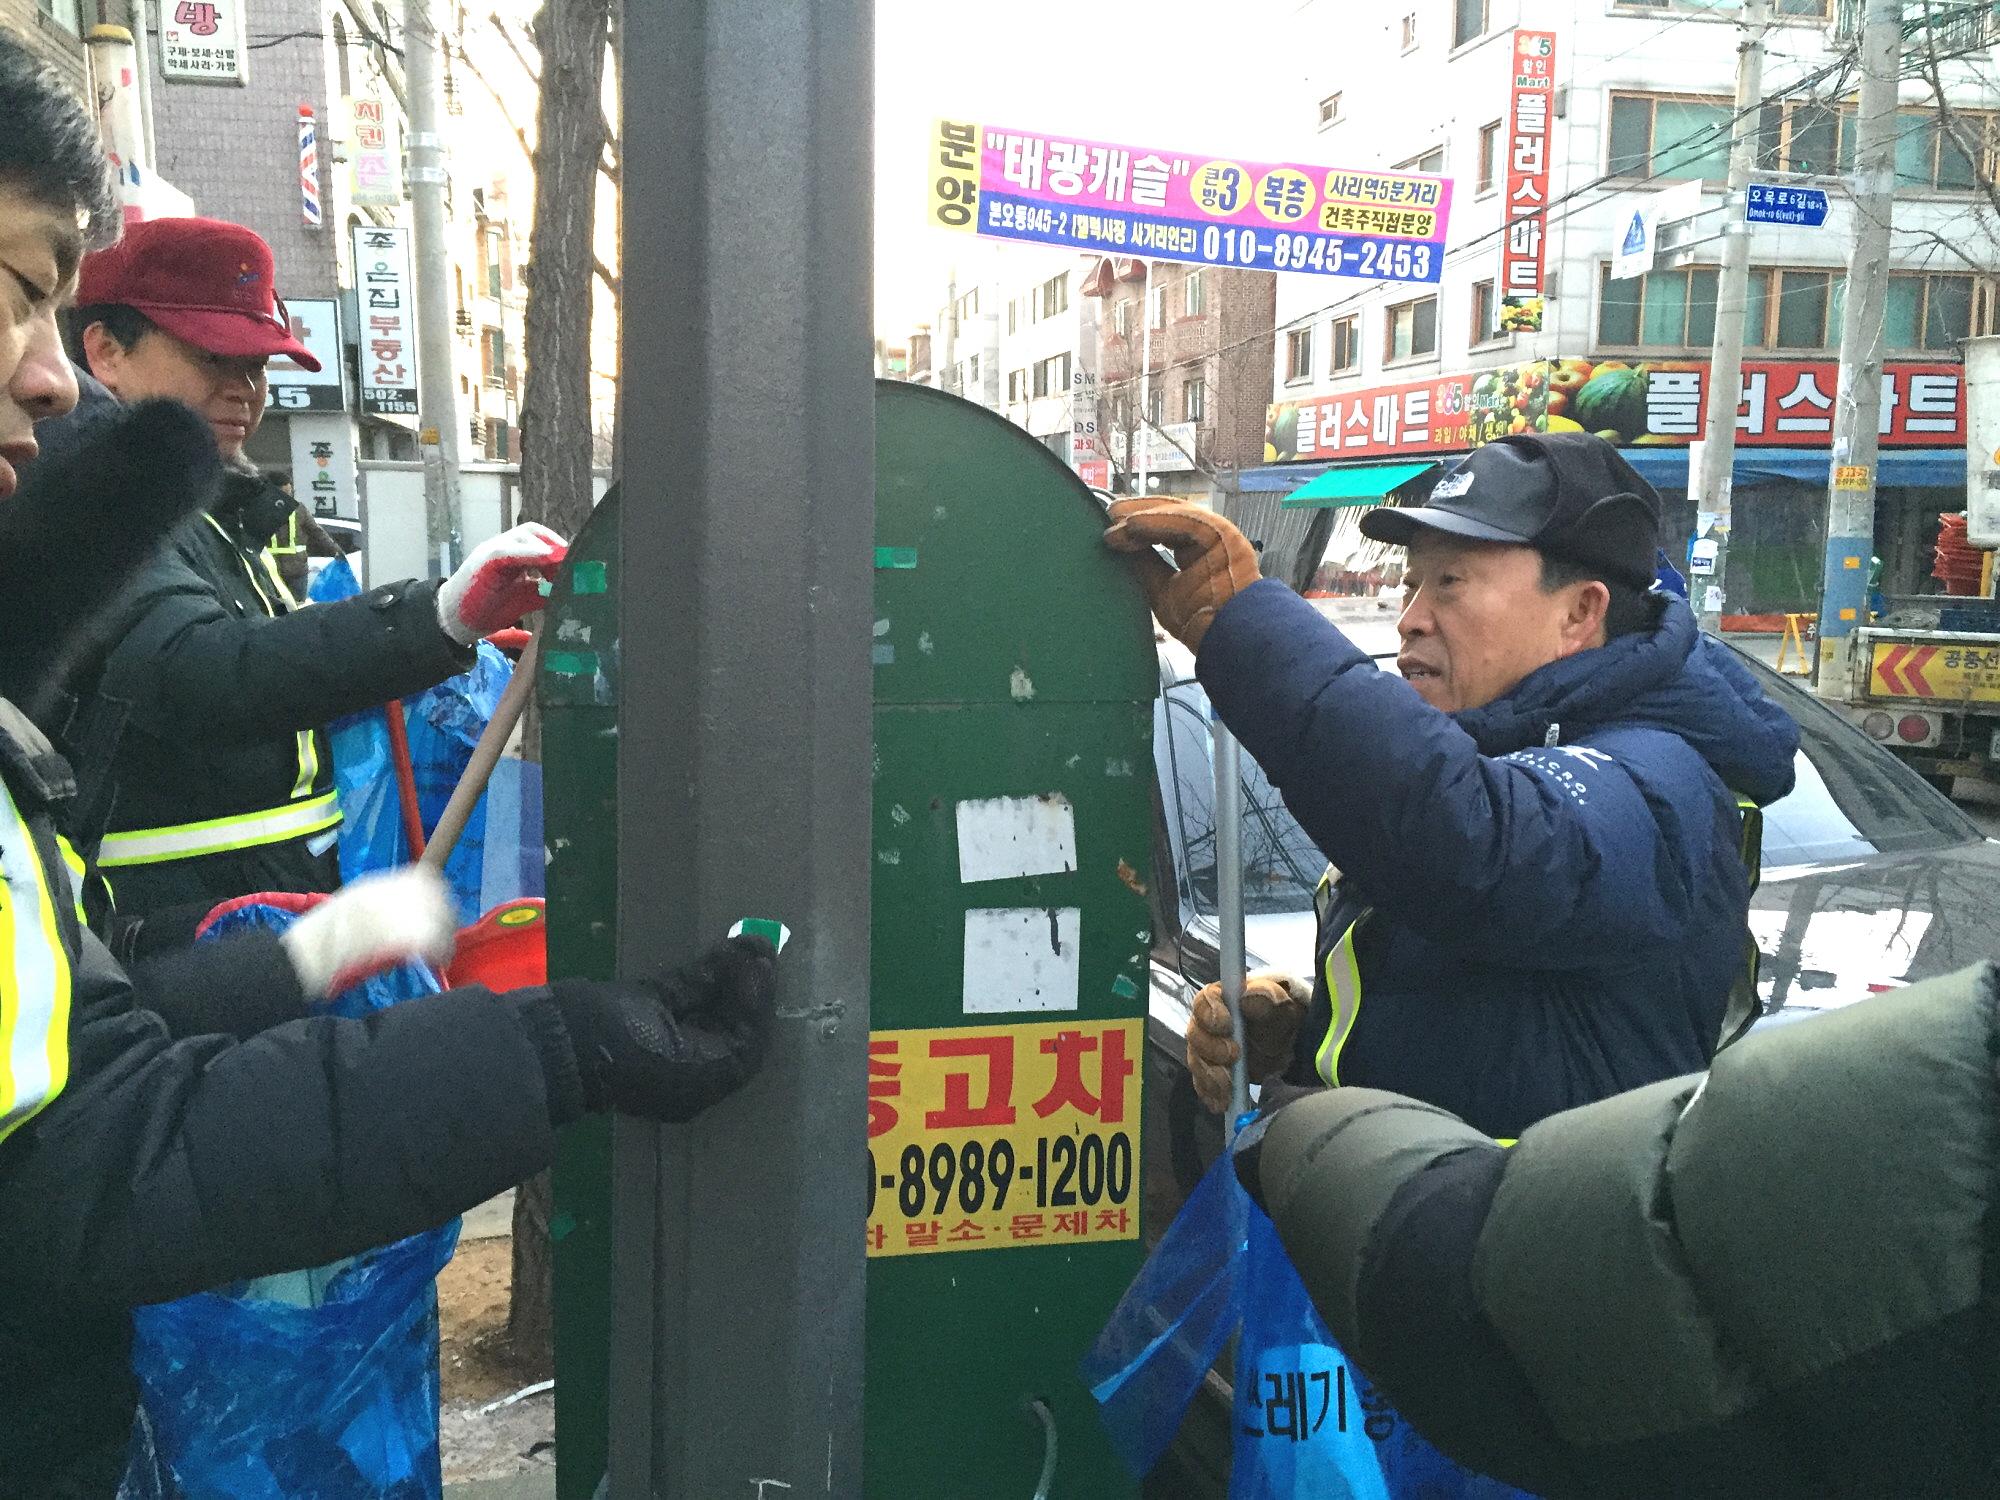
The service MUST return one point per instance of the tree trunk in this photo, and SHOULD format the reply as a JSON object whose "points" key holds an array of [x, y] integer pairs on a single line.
{"points": [[556, 424], [557, 441]]}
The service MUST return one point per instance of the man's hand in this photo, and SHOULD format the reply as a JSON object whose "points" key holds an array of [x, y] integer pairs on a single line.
{"points": [[1215, 562], [1274, 1007], [371, 924], [500, 582], [668, 1048]]}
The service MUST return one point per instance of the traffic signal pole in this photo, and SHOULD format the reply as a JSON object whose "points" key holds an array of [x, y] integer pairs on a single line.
{"points": [[1850, 519], [1713, 480], [745, 599]]}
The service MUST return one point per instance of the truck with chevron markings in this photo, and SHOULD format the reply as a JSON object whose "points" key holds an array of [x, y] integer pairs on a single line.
{"points": [[1931, 695]]}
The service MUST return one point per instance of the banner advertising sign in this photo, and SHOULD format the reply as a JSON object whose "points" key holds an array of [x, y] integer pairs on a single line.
{"points": [[388, 334], [203, 40], [1786, 403], [376, 164], [1163, 205], [1522, 254], [293, 387]]}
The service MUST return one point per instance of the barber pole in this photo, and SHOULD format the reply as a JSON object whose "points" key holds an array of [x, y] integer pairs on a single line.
{"points": [[309, 167]]}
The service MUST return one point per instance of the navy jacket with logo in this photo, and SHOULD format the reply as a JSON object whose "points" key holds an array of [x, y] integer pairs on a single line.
{"points": [[1550, 924]]}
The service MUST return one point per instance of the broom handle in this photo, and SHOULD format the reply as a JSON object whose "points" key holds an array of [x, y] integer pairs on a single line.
{"points": [[485, 756]]}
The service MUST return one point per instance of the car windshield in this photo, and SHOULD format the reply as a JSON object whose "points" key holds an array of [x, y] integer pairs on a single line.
{"points": [[1853, 798], [1280, 865]]}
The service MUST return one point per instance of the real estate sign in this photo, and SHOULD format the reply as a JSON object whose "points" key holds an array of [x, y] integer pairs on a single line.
{"points": [[1168, 205]]}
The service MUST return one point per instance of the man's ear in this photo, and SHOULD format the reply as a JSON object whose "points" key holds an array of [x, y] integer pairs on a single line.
{"points": [[102, 354], [1583, 621]]}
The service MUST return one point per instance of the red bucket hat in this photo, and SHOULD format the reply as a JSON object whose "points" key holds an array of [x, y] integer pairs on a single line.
{"points": [[200, 279]]}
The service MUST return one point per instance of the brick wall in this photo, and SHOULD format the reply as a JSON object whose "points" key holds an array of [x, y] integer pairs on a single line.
{"points": [[1227, 346], [235, 151], [47, 39]]}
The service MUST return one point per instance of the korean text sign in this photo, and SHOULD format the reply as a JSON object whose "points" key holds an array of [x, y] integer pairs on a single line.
{"points": [[1522, 255], [1003, 1137], [1164, 205], [388, 333], [1783, 403], [203, 39]]}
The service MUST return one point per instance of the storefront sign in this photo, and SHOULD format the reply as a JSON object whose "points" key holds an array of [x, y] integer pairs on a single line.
{"points": [[203, 40], [388, 333], [323, 469], [1163, 205], [1522, 254], [1653, 403], [376, 163], [293, 387], [1003, 1137]]}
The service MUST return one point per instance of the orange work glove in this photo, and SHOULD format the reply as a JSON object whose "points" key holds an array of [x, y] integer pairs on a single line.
{"points": [[1274, 1007], [1215, 562]]}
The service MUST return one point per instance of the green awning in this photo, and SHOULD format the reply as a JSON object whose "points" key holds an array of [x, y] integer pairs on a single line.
{"points": [[1354, 486]]}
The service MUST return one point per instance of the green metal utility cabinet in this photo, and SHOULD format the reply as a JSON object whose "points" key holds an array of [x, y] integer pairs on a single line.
{"points": [[1014, 681]]}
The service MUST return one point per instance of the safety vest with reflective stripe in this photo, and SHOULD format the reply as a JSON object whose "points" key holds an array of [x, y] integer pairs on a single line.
{"points": [[302, 817], [34, 978], [151, 846], [1341, 916]]}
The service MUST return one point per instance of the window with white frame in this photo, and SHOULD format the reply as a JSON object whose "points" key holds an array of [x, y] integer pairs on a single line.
{"points": [[1194, 400], [1346, 344], [1194, 296], [1329, 111], [1298, 354]]}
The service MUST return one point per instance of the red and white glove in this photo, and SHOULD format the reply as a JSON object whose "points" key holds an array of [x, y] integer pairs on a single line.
{"points": [[500, 582], [374, 923]]}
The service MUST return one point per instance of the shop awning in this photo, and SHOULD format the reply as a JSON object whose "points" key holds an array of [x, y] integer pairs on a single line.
{"points": [[1668, 467], [1359, 486]]}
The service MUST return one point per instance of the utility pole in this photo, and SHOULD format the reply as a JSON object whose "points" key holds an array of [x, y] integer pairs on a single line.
{"points": [[745, 731], [1850, 514], [438, 432], [1139, 431], [1711, 485]]}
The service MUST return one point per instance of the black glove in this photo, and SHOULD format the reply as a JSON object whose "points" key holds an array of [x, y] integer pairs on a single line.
{"points": [[667, 1048], [1248, 1147]]}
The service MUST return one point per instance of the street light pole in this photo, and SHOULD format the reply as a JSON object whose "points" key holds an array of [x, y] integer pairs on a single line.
{"points": [[745, 730], [1850, 517], [437, 380], [1711, 484]]}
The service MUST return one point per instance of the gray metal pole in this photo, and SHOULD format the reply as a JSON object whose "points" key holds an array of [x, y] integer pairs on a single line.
{"points": [[438, 433], [142, 64], [1229, 905], [1850, 517], [746, 604], [1711, 486]]}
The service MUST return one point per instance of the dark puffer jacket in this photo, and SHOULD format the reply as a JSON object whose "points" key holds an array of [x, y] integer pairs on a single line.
{"points": [[1777, 1282], [1555, 880]]}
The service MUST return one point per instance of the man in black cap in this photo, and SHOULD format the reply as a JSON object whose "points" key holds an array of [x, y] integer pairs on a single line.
{"points": [[1537, 827]]}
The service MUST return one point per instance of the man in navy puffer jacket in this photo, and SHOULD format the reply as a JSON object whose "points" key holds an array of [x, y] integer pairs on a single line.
{"points": [[1542, 894]]}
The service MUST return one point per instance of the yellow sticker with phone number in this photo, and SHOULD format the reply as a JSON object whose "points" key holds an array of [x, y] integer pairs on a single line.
{"points": [[1003, 1137]]}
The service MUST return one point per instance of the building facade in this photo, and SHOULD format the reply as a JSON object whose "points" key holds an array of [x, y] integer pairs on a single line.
{"points": [[1140, 375], [1637, 98], [267, 137]]}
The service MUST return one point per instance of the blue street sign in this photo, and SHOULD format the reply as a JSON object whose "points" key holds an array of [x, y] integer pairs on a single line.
{"points": [[1786, 205]]}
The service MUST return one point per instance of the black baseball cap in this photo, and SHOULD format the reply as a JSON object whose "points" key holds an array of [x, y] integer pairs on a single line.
{"points": [[1569, 495]]}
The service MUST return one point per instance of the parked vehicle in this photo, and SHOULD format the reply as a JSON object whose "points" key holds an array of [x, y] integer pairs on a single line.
{"points": [[1926, 684]]}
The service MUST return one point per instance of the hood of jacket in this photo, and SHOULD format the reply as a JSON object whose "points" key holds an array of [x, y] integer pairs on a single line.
{"points": [[84, 521], [1673, 678]]}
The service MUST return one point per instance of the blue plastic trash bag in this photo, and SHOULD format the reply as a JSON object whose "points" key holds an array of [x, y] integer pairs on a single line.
{"points": [[442, 725], [1172, 1322], [1300, 1429], [310, 1385]]}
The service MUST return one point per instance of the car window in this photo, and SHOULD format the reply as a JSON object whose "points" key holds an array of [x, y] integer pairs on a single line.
{"points": [[1281, 866], [1853, 798]]}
